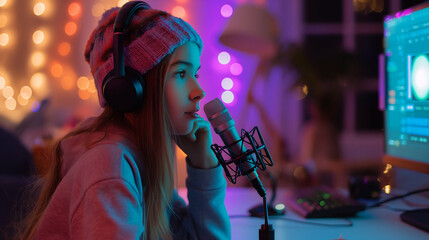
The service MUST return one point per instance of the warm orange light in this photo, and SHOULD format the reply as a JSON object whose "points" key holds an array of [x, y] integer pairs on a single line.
{"points": [[57, 70], [182, 1], [64, 48], [8, 92], [38, 59], [74, 9], [2, 82], [3, 2], [3, 21], [84, 94], [387, 189], [67, 82], [179, 12], [10, 103], [83, 83], [37, 80], [26, 92], [39, 8], [4, 39], [122, 2], [70, 28], [38, 37], [22, 100], [97, 10], [91, 87]]}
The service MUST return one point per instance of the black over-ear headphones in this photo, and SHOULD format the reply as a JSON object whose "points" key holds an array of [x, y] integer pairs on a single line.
{"points": [[123, 87]]}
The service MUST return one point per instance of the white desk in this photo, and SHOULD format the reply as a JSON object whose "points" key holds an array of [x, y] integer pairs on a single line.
{"points": [[378, 223]]}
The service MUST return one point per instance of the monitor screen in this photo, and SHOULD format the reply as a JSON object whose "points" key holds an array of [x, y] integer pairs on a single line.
{"points": [[406, 36]]}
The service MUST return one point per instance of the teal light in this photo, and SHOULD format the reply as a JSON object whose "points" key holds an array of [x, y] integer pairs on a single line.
{"points": [[420, 77]]}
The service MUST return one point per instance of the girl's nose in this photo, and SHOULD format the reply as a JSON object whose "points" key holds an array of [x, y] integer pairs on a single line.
{"points": [[197, 94]]}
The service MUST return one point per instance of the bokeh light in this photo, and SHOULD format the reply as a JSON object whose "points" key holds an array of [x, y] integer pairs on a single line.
{"points": [[8, 92], [22, 100], [92, 88], [38, 59], [236, 69], [226, 10], [70, 28], [57, 70], [83, 83], [178, 11], [74, 9], [39, 8], [38, 37], [3, 21], [223, 58], [227, 83], [37, 80], [84, 94], [3, 2], [35, 106], [97, 10], [64, 48], [122, 2], [2, 82], [4, 39], [10, 103], [26, 92], [227, 97]]}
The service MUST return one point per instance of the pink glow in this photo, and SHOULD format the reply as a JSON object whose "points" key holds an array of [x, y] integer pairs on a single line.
{"points": [[226, 10], [236, 69]]}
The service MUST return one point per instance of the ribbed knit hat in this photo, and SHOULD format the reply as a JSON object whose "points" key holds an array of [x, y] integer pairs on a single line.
{"points": [[155, 34]]}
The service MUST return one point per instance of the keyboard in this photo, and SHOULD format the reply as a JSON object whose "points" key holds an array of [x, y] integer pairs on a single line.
{"points": [[322, 202]]}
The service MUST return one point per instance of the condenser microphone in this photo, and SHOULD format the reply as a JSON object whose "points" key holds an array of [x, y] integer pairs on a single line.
{"points": [[223, 124]]}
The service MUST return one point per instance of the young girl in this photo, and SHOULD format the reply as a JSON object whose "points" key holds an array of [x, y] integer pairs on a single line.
{"points": [[112, 176]]}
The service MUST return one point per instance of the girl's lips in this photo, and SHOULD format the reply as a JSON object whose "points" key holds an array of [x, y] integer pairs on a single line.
{"points": [[193, 114]]}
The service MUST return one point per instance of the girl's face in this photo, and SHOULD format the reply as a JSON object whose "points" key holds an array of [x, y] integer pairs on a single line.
{"points": [[182, 90]]}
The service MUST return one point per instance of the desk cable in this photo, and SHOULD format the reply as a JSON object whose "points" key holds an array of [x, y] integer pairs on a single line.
{"points": [[378, 204]]}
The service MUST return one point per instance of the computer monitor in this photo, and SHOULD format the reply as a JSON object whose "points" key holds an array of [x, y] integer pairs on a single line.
{"points": [[406, 123]]}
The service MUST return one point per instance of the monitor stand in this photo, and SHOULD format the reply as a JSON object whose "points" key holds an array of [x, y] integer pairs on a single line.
{"points": [[418, 218]]}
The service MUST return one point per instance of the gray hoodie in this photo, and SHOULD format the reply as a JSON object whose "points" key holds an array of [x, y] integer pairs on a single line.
{"points": [[100, 195]]}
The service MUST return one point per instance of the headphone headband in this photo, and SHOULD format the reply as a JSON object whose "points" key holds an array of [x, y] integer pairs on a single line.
{"points": [[125, 14], [122, 19]]}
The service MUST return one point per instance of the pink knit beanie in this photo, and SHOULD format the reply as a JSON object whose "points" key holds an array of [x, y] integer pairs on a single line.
{"points": [[154, 35]]}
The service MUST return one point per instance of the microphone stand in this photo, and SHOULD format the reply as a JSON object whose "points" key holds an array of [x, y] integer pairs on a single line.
{"points": [[266, 232], [263, 158]]}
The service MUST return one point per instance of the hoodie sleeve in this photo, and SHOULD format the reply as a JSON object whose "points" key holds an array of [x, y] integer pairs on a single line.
{"points": [[109, 210], [206, 216]]}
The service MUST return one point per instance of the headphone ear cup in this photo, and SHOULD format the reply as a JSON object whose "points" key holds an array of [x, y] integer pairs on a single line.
{"points": [[124, 94]]}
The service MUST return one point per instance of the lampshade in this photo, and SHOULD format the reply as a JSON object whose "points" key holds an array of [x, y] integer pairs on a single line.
{"points": [[252, 29]]}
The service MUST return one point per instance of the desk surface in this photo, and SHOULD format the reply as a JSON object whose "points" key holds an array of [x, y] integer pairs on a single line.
{"points": [[378, 223]]}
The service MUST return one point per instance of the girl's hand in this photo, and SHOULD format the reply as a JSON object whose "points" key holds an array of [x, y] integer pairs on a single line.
{"points": [[196, 145]]}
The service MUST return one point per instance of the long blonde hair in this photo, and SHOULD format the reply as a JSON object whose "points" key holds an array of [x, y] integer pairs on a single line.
{"points": [[152, 137]]}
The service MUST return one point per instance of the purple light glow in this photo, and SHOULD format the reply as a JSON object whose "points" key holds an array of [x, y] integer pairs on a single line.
{"points": [[227, 97], [35, 106], [236, 69], [223, 58], [226, 11]]}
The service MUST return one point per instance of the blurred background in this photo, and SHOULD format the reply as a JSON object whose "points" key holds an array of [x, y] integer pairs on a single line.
{"points": [[304, 71]]}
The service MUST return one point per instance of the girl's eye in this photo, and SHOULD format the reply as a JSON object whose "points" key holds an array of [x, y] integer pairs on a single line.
{"points": [[180, 74]]}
